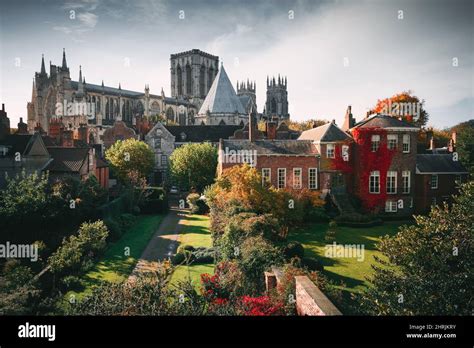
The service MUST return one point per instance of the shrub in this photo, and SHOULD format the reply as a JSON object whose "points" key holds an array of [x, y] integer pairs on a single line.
{"points": [[71, 283], [293, 249], [155, 201], [184, 247], [75, 250], [203, 255], [127, 221], [115, 229], [312, 264], [256, 256]]}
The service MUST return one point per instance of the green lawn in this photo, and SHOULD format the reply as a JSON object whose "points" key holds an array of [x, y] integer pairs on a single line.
{"points": [[349, 271], [115, 266], [196, 233]]}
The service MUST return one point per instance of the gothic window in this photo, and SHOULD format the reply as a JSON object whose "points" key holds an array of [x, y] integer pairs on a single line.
{"points": [[107, 109], [155, 108], [170, 114], [182, 119], [202, 74], [189, 80], [273, 106], [179, 74], [140, 108]]}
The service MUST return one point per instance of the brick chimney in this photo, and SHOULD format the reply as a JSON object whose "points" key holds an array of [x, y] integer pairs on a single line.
{"points": [[432, 143], [22, 127], [67, 138], [252, 126], [349, 121], [452, 142], [271, 128]]}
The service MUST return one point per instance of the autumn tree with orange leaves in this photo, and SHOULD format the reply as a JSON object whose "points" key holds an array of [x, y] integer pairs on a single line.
{"points": [[405, 105]]}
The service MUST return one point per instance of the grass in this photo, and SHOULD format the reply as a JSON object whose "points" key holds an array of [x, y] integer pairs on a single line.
{"points": [[114, 265], [195, 232], [349, 271]]}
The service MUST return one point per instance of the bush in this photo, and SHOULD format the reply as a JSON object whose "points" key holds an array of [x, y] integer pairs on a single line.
{"points": [[76, 250], [184, 247], [293, 249], [312, 264], [203, 255], [71, 283], [256, 256], [115, 229], [155, 201], [127, 221]]}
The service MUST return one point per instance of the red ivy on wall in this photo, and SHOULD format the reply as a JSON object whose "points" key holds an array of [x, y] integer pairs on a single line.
{"points": [[368, 161], [338, 162]]}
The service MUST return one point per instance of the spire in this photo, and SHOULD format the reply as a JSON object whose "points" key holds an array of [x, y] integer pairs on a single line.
{"points": [[120, 87], [267, 80], [84, 80], [64, 66], [273, 80], [279, 80], [80, 74], [43, 69], [285, 81], [102, 83], [33, 91]]}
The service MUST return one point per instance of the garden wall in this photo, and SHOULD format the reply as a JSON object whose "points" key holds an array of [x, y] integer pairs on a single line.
{"points": [[310, 300]]}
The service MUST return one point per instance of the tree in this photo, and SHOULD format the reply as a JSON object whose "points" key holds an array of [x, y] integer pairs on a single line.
{"points": [[465, 144], [428, 270], [194, 165], [393, 105], [130, 155], [301, 126]]}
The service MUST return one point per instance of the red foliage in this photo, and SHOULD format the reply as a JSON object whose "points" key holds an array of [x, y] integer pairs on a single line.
{"points": [[259, 306], [368, 161], [338, 162]]}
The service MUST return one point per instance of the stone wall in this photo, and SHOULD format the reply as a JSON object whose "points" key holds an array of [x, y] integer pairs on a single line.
{"points": [[309, 299]]}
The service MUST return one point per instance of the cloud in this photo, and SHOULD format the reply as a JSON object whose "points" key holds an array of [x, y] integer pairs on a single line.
{"points": [[88, 19]]}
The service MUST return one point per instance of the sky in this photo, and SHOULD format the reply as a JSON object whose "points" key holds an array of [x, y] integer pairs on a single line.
{"points": [[333, 53]]}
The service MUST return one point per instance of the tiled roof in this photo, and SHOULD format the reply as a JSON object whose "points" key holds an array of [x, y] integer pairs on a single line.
{"points": [[383, 121], [438, 163], [202, 133], [67, 159], [222, 98], [16, 142], [327, 132], [273, 147]]}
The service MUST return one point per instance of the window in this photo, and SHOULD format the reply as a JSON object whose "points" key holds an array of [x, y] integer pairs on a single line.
{"points": [[434, 181], [375, 142], [406, 143], [391, 182], [164, 160], [374, 182], [392, 141], [345, 153], [297, 178], [406, 181], [330, 150], [266, 175], [281, 178], [391, 206], [313, 178]]}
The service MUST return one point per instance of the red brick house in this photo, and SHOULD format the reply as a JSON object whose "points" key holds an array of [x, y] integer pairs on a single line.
{"points": [[384, 164], [437, 178]]}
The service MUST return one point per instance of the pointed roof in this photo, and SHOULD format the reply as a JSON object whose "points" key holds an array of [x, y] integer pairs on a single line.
{"points": [[384, 121], [222, 98], [328, 132], [64, 65], [43, 69]]}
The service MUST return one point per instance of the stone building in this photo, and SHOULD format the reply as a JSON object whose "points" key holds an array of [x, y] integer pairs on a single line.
{"points": [[222, 106], [247, 95], [276, 105], [192, 74]]}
